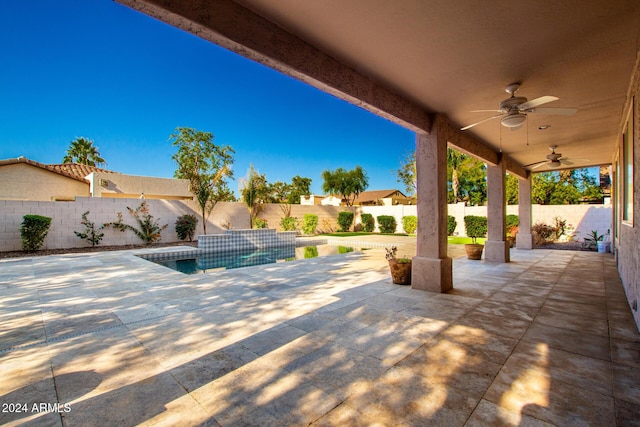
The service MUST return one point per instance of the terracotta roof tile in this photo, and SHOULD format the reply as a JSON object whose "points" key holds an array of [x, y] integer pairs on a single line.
{"points": [[70, 170]]}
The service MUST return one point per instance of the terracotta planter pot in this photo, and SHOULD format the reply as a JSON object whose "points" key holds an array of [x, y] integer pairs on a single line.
{"points": [[400, 272], [474, 251]]}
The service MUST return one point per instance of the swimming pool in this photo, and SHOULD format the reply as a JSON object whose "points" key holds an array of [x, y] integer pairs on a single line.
{"points": [[203, 262]]}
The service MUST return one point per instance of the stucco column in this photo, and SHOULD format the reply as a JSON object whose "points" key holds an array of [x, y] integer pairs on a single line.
{"points": [[524, 238], [431, 268], [496, 248]]}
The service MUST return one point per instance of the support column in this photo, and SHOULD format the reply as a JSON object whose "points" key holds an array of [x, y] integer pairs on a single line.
{"points": [[431, 268], [496, 248], [524, 238]]}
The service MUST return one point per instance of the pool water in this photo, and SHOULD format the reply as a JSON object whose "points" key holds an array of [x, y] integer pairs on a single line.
{"points": [[227, 260]]}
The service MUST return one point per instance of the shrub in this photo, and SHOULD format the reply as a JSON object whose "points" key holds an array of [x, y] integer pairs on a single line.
{"points": [[186, 226], [150, 229], [387, 224], [289, 223], [368, 223], [260, 223], [475, 226], [345, 219], [310, 252], [410, 223], [542, 233], [512, 225], [91, 233], [309, 223], [33, 230], [451, 225]]}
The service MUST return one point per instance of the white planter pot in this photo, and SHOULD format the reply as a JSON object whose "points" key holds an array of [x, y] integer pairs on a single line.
{"points": [[603, 247]]}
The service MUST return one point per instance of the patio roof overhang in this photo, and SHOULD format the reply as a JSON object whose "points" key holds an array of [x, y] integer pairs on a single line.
{"points": [[407, 61]]}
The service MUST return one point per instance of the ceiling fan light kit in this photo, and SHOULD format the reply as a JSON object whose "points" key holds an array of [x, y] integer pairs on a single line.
{"points": [[513, 120]]}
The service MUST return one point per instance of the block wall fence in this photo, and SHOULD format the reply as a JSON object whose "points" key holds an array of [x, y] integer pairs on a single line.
{"points": [[66, 217]]}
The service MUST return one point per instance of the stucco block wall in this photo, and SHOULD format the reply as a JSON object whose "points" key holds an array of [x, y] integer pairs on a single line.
{"points": [[66, 218], [18, 182], [583, 218], [327, 215]]}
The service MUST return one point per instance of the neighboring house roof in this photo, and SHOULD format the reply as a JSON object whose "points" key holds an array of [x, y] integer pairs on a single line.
{"points": [[368, 196], [70, 170]]}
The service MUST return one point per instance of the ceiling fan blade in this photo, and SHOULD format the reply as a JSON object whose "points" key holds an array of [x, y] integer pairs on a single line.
{"points": [[486, 111], [538, 101], [482, 121], [556, 111], [539, 165], [536, 164], [566, 162]]}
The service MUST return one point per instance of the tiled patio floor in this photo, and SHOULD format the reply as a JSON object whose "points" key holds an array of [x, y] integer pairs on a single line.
{"points": [[547, 339]]}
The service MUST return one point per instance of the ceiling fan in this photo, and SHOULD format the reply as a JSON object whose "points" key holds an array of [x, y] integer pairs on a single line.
{"points": [[513, 110], [554, 160]]}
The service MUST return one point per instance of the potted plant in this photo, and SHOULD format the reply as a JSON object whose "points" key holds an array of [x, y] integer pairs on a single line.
{"points": [[400, 267], [475, 226]]}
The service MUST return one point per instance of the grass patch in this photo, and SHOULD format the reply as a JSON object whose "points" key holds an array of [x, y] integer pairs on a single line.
{"points": [[465, 240], [360, 233]]}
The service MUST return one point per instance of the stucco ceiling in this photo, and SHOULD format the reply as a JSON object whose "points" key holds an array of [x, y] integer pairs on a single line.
{"points": [[456, 56]]}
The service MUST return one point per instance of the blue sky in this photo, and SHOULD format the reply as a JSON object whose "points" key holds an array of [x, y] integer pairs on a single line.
{"points": [[97, 69]]}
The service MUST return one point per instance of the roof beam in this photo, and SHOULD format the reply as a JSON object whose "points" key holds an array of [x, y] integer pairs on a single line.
{"points": [[242, 31]]}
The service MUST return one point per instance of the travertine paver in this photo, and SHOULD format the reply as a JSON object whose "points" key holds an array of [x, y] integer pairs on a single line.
{"points": [[110, 339]]}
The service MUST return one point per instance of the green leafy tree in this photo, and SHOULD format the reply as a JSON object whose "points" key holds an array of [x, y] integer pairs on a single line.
{"points": [[564, 187], [255, 191], [511, 184], [81, 150], [299, 187], [205, 165], [348, 184], [407, 173], [278, 192]]}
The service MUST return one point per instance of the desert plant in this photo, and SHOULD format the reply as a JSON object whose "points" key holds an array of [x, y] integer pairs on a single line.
{"points": [[309, 223], [186, 226], [387, 224], [260, 223], [559, 227], [150, 229], [345, 219], [410, 223], [91, 234], [475, 226], [368, 223], [451, 225], [33, 230], [289, 223]]}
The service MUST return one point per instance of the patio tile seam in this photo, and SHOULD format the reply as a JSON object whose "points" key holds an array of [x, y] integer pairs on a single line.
{"points": [[77, 334]]}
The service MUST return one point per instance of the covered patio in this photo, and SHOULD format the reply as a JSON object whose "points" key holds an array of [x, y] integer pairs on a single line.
{"points": [[547, 339], [571, 72]]}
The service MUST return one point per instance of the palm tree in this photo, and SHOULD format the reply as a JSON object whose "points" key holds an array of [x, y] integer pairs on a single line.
{"points": [[82, 150], [454, 161]]}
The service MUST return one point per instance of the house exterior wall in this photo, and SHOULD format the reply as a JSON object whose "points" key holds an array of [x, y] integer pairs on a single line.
{"points": [[627, 240], [117, 185], [22, 181]]}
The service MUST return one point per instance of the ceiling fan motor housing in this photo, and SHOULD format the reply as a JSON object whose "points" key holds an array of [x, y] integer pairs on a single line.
{"points": [[512, 103]]}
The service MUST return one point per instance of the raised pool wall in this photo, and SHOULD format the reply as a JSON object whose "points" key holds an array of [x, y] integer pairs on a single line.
{"points": [[238, 240]]}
